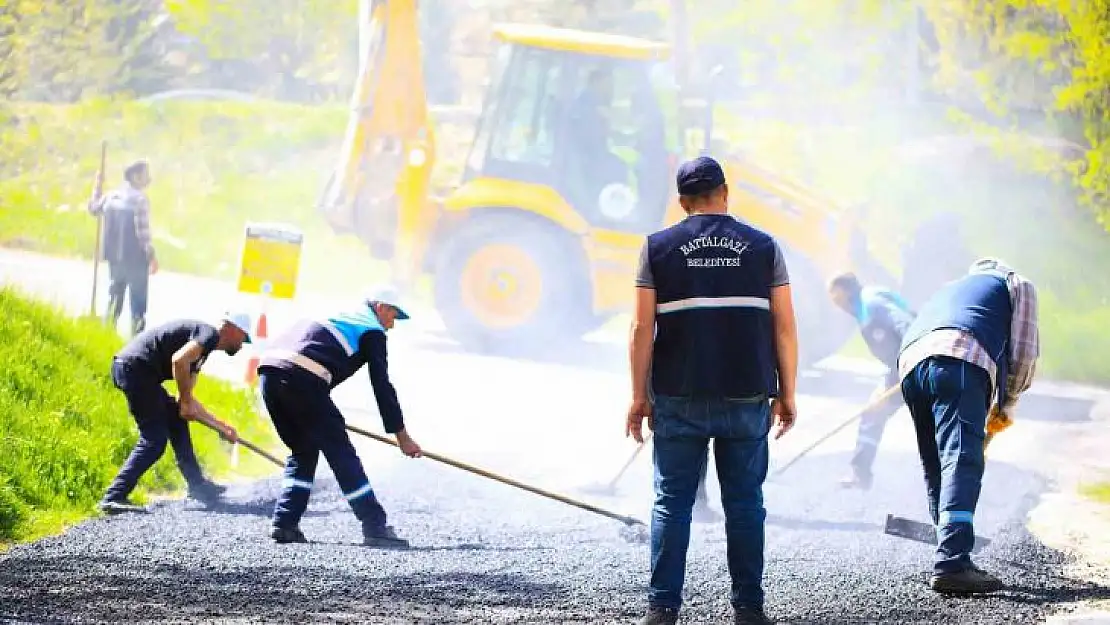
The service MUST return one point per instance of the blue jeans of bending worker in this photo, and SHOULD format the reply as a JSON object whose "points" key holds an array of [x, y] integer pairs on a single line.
{"points": [[683, 430], [159, 421], [872, 424], [949, 400], [309, 424]]}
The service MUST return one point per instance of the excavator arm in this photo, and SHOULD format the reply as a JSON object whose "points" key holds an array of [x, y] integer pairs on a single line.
{"points": [[379, 187]]}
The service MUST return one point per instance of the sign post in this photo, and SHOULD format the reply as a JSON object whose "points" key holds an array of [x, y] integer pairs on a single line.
{"points": [[269, 267]]}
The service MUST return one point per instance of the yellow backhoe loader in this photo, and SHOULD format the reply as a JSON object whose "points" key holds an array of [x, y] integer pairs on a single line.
{"points": [[570, 166]]}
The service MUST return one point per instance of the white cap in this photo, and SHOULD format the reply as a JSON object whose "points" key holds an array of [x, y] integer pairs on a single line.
{"points": [[389, 295], [240, 320]]}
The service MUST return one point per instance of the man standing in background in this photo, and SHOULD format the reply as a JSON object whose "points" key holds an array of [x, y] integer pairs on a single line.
{"points": [[883, 318], [975, 342], [713, 339], [127, 245]]}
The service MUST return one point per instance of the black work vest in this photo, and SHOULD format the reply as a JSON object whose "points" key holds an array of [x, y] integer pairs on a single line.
{"points": [[121, 244], [713, 337]]}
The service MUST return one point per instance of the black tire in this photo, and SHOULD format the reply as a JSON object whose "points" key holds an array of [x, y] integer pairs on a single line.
{"points": [[563, 310], [822, 327]]}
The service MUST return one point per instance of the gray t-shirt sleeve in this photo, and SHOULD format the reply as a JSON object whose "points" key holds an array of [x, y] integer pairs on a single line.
{"points": [[779, 273], [644, 277]]}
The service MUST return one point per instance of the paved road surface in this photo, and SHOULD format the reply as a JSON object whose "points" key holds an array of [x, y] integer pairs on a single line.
{"points": [[488, 553]]}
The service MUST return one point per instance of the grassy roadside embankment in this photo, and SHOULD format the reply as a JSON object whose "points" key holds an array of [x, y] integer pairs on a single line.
{"points": [[219, 165], [66, 429]]}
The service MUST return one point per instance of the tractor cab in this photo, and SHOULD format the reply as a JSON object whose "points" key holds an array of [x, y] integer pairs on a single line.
{"points": [[584, 115]]}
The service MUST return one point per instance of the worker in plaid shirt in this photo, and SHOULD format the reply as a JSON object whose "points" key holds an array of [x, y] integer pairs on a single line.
{"points": [[964, 362], [127, 245]]}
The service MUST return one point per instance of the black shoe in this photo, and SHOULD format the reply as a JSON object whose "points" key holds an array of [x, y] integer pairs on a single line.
{"points": [[970, 581], [285, 535], [206, 491], [383, 537], [749, 616], [119, 506], [660, 616]]}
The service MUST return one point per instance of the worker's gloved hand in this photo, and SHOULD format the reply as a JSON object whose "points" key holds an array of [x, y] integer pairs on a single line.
{"points": [[998, 420], [407, 445]]}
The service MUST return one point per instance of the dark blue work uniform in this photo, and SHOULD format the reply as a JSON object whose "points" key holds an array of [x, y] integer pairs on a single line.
{"points": [[296, 377], [949, 398], [883, 318], [713, 372], [139, 369]]}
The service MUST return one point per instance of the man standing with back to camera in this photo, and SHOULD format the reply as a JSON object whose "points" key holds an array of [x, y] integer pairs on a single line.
{"points": [[714, 331]]}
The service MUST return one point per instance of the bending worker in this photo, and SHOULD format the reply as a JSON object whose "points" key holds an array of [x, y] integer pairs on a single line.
{"points": [[883, 317], [975, 342], [174, 351], [713, 339], [296, 377]]}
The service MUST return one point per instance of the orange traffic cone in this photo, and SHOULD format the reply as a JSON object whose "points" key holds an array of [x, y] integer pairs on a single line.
{"points": [[251, 374]]}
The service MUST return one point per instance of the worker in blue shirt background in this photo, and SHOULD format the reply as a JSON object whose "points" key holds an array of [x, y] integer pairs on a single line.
{"points": [[296, 376], [883, 317]]}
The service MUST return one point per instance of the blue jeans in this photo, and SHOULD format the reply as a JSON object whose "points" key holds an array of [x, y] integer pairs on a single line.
{"points": [[949, 400], [683, 429], [309, 423]]}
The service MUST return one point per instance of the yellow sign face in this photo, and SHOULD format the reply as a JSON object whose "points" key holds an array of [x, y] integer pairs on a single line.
{"points": [[271, 260]]}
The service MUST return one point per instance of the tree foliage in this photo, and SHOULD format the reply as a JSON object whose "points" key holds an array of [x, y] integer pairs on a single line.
{"points": [[61, 51], [1051, 57]]}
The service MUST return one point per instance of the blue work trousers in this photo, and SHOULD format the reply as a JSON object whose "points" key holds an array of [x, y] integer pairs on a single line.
{"points": [[872, 424], [309, 424], [683, 430], [949, 399], [159, 420]]}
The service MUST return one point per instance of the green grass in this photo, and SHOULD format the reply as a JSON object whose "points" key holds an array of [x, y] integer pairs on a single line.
{"points": [[66, 429]]}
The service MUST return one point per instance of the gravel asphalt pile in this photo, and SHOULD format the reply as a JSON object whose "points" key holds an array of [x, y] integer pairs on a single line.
{"points": [[486, 553]]}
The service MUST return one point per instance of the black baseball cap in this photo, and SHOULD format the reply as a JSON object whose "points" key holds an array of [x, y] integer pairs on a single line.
{"points": [[700, 175]]}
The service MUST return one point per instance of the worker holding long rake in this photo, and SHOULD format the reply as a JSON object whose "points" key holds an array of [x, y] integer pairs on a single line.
{"points": [[296, 377]]}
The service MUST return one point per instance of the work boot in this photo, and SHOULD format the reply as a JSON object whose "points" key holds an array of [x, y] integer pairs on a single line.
{"points": [[285, 535], [660, 616], [970, 581], [383, 537], [206, 491], [744, 615], [138, 324], [857, 479], [119, 506]]}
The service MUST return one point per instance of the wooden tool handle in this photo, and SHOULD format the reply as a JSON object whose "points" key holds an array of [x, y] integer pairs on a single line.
{"points": [[504, 480]]}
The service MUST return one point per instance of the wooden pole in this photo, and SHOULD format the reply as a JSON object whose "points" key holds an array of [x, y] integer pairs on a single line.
{"points": [[629, 521], [98, 190]]}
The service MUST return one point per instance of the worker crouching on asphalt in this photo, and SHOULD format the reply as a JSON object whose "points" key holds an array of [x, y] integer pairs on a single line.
{"points": [[173, 351], [713, 338], [296, 377], [974, 340], [883, 318]]}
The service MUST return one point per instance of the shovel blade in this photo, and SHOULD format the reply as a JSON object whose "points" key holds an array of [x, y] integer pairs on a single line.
{"points": [[921, 532]]}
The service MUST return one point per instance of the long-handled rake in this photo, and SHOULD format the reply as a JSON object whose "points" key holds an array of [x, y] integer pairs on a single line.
{"points": [[636, 528]]}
